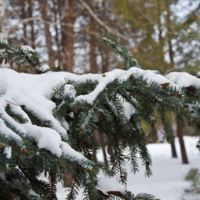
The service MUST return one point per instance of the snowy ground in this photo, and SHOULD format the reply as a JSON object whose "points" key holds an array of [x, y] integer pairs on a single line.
{"points": [[167, 182]]}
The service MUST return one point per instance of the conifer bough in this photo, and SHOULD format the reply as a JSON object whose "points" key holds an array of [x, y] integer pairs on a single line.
{"points": [[47, 124]]}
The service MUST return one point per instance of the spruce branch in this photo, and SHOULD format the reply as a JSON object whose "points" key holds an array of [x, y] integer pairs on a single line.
{"points": [[18, 55], [120, 51]]}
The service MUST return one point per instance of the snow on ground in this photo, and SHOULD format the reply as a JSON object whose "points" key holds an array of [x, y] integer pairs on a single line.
{"points": [[167, 182]]}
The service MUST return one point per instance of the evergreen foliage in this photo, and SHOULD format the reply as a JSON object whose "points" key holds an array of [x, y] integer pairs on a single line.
{"points": [[121, 51], [146, 101], [18, 55]]}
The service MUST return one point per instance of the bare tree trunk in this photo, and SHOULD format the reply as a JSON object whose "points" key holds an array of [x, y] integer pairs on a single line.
{"points": [[102, 144], [68, 181], [93, 64], [105, 62], [70, 36], [169, 35], [173, 148], [47, 33], [171, 55], [182, 145], [94, 156], [68, 50], [23, 16], [30, 10], [161, 40], [56, 13], [53, 184], [62, 10]]}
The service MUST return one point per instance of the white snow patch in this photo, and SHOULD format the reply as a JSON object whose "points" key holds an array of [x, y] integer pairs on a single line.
{"points": [[7, 152], [44, 68], [69, 90], [27, 48], [46, 138], [149, 75], [67, 150], [184, 79], [106, 185]]}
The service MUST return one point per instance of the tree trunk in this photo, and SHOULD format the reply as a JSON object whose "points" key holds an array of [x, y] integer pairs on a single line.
{"points": [[23, 16], [68, 181], [171, 56], [93, 64], [169, 35], [102, 144], [161, 39], [101, 141], [56, 13], [47, 33], [62, 10], [105, 62], [30, 10], [94, 156], [182, 145], [68, 66], [70, 37], [173, 148], [53, 184]]}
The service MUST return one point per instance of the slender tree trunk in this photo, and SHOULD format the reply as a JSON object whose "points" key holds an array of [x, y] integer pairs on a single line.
{"points": [[62, 10], [53, 184], [68, 51], [161, 39], [105, 62], [31, 24], [169, 35], [70, 36], [68, 66], [173, 148], [68, 181], [182, 145], [23, 16], [94, 156], [47, 32], [93, 64], [56, 13], [102, 144], [171, 55]]}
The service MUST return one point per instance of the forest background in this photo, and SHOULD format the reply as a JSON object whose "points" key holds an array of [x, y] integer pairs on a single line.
{"points": [[161, 34]]}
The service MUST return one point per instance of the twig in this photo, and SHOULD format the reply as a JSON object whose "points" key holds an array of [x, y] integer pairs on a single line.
{"points": [[13, 103], [101, 23]]}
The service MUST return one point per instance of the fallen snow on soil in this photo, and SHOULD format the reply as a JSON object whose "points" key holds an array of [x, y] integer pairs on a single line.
{"points": [[167, 182]]}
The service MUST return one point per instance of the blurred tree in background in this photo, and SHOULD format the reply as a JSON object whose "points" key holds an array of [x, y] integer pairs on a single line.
{"points": [[162, 34]]}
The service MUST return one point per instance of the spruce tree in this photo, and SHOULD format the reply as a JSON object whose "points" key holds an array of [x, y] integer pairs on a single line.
{"points": [[47, 124]]}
